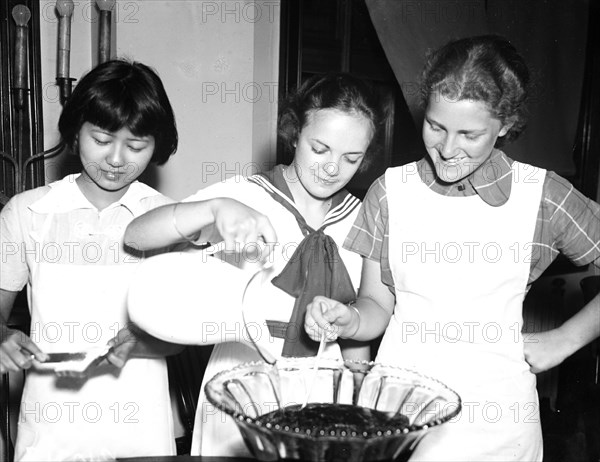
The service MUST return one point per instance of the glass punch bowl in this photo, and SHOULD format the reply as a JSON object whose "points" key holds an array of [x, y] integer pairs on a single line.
{"points": [[357, 411]]}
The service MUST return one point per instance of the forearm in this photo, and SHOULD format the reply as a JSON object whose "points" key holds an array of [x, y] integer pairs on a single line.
{"points": [[355, 350], [18, 339], [7, 301], [373, 319], [170, 224], [545, 350], [133, 342], [375, 302], [150, 347], [3, 328], [16, 347], [583, 327]]}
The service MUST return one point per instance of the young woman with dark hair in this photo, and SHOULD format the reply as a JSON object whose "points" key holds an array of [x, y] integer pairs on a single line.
{"points": [[65, 242], [121, 94]]}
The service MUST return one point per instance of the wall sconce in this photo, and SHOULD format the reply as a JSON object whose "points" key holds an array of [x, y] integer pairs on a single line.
{"points": [[21, 15], [104, 26], [22, 159], [64, 8]]}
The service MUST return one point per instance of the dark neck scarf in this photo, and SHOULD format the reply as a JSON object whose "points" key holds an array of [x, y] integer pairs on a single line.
{"points": [[315, 268]]}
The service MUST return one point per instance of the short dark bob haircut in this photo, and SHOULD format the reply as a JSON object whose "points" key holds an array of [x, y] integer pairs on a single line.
{"points": [[339, 91], [485, 68], [122, 94]]}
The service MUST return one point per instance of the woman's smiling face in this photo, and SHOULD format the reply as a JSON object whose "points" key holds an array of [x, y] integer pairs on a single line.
{"points": [[113, 160], [459, 136], [330, 148]]}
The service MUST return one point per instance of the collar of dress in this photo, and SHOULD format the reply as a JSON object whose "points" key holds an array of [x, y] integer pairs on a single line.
{"points": [[491, 181], [273, 181], [65, 196]]}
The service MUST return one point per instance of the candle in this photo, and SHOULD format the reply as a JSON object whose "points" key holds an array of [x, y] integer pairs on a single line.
{"points": [[21, 15], [105, 7], [64, 8]]}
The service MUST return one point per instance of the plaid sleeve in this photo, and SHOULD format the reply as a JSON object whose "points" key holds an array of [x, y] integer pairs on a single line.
{"points": [[568, 222], [369, 236]]}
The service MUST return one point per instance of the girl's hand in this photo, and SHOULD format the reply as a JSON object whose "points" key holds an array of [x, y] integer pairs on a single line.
{"points": [[335, 318], [545, 350], [122, 345], [16, 351], [240, 226], [131, 341]]}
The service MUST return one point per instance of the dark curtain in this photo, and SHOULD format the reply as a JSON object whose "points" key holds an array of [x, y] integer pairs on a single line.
{"points": [[550, 34]]}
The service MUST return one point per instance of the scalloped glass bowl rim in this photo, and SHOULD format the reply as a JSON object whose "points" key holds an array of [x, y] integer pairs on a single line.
{"points": [[322, 436]]}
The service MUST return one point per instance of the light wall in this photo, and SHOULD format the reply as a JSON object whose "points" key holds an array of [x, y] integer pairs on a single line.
{"points": [[219, 63]]}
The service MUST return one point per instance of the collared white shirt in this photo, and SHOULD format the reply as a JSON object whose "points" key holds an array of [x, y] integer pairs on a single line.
{"points": [[57, 224]]}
